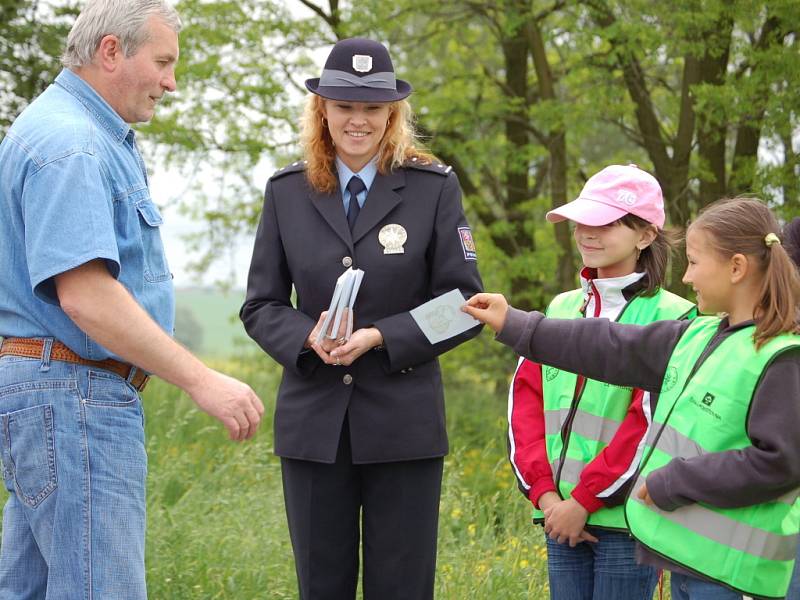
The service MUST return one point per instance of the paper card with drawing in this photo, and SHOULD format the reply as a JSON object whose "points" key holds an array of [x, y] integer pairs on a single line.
{"points": [[442, 318]]}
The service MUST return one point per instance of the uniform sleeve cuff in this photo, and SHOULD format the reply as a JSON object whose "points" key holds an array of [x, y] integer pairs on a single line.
{"points": [[586, 499], [540, 489]]}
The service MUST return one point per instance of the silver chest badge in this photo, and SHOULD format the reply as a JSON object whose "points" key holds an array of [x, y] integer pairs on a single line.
{"points": [[392, 237], [362, 63]]}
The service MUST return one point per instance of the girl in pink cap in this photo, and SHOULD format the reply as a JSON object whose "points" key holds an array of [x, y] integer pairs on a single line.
{"points": [[574, 443]]}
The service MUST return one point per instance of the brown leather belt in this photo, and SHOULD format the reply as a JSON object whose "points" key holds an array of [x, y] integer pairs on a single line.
{"points": [[34, 348]]}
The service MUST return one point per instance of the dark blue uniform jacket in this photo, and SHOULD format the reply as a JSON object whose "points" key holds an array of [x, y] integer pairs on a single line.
{"points": [[393, 396]]}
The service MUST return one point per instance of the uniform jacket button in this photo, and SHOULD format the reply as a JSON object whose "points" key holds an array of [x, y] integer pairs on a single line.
{"points": [[347, 261], [347, 379]]}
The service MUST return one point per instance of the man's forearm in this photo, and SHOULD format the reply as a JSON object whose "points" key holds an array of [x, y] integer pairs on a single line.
{"points": [[107, 313]]}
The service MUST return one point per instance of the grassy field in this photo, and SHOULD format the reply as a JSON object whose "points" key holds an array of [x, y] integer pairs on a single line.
{"points": [[216, 524], [217, 527]]}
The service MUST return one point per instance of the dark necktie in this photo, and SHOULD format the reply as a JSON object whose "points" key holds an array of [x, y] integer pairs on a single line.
{"points": [[355, 186]]}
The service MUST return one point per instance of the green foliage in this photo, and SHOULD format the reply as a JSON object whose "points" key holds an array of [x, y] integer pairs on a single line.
{"points": [[240, 94], [31, 39]]}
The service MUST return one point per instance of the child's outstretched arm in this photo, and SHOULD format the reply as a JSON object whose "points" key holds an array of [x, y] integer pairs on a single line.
{"points": [[627, 355]]}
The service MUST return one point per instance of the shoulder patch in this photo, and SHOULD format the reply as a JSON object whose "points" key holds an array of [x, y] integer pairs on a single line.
{"points": [[432, 167], [467, 243], [295, 167]]}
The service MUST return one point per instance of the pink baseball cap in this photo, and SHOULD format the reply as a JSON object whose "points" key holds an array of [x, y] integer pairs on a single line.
{"points": [[613, 193]]}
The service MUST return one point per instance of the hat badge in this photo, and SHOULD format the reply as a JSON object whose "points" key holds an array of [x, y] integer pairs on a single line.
{"points": [[362, 63]]}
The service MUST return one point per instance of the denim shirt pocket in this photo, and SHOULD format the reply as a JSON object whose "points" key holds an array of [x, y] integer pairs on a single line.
{"points": [[155, 260]]}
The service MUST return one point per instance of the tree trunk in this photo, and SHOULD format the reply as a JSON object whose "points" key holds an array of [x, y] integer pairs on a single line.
{"points": [[557, 148], [516, 178], [748, 135]]}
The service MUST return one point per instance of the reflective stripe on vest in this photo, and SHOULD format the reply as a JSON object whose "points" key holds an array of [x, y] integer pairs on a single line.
{"points": [[588, 426], [591, 421], [702, 410], [729, 532]]}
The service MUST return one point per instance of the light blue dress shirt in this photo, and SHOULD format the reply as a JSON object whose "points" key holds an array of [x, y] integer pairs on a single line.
{"points": [[366, 174], [73, 188]]}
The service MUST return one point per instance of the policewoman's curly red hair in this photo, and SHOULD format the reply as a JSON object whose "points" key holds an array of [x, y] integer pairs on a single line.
{"points": [[398, 145]]}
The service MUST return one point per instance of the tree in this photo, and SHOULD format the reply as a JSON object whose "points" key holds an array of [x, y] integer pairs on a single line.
{"points": [[525, 101], [708, 84], [31, 38]]}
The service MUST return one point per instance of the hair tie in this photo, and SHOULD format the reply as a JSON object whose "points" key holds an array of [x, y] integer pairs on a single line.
{"points": [[771, 239]]}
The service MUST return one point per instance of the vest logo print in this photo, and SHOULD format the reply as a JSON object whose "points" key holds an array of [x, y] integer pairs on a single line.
{"points": [[670, 379], [704, 404], [550, 373]]}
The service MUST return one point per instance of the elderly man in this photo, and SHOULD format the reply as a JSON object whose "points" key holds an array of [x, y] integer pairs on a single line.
{"points": [[86, 309]]}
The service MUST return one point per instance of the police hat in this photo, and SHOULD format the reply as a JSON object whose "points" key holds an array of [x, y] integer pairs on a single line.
{"points": [[359, 70]]}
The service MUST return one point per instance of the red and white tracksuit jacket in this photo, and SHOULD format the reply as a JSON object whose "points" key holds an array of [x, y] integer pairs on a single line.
{"points": [[606, 480]]}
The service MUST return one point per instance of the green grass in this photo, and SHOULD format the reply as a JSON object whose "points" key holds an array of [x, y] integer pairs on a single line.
{"points": [[217, 529], [216, 523]]}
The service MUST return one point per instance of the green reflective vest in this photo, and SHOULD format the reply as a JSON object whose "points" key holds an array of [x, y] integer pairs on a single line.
{"points": [[579, 423], [701, 410]]}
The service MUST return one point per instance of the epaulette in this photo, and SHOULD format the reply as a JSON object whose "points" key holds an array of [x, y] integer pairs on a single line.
{"points": [[296, 166], [433, 166]]}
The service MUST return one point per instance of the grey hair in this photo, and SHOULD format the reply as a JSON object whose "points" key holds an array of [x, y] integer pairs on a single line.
{"points": [[124, 19]]}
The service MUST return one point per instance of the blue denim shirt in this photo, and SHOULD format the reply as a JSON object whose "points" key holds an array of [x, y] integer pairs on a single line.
{"points": [[73, 188]]}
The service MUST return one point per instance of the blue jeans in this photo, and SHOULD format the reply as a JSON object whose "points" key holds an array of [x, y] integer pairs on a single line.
{"points": [[605, 570], [685, 587], [73, 455]]}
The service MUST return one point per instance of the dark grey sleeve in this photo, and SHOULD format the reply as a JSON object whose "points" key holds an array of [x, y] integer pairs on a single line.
{"points": [[762, 472], [627, 355]]}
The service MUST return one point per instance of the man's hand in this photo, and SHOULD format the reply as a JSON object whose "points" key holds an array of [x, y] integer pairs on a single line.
{"points": [[565, 521], [234, 403], [488, 308], [105, 310]]}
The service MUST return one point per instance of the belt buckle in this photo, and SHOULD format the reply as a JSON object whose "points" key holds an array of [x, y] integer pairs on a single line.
{"points": [[135, 372]]}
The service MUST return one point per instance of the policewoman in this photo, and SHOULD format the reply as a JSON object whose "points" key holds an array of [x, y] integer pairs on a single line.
{"points": [[360, 423]]}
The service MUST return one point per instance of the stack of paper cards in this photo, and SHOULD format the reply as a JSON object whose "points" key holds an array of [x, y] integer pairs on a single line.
{"points": [[341, 307], [442, 317]]}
